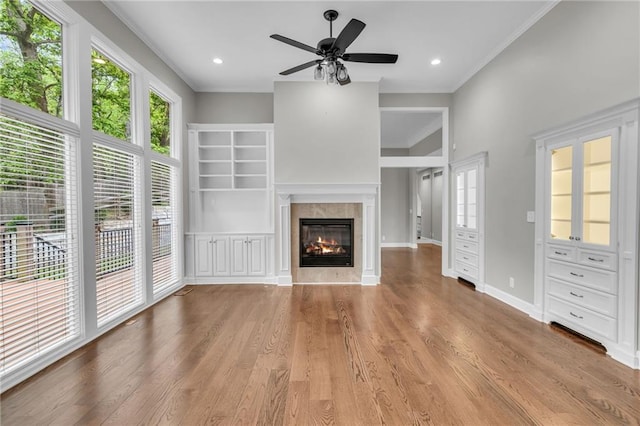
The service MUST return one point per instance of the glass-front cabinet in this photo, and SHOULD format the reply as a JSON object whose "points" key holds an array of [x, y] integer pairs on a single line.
{"points": [[467, 198], [581, 191]]}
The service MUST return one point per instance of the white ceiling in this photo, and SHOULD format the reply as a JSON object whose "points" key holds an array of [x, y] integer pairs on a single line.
{"points": [[464, 34], [403, 129]]}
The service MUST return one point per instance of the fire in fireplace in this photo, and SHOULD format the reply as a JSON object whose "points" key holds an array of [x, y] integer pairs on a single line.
{"points": [[326, 242]]}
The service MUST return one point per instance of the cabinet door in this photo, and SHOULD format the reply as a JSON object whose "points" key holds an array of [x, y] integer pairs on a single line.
{"points": [[203, 256], [471, 202], [238, 255], [256, 255], [221, 256], [460, 197], [596, 209], [561, 203]]}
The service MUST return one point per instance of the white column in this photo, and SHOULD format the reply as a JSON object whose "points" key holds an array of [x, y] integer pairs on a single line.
{"points": [[284, 240], [369, 276]]}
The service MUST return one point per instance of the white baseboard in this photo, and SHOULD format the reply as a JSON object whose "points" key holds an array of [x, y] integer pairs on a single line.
{"points": [[403, 245], [284, 280], [227, 280], [370, 280], [429, 241], [509, 299]]}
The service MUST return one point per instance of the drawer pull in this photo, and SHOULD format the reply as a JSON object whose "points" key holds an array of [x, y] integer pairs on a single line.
{"points": [[577, 275], [465, 246], [576, 295], [575, 316], [472, 237], [465, 257], [593, 259], [560, 253]]}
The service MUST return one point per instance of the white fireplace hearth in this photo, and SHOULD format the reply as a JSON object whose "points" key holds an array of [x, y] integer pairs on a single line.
{"points": [[327, 200]]}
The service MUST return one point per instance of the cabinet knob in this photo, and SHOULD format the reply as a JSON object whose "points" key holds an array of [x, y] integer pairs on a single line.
{"points": [[577, 238], [571, 237]]}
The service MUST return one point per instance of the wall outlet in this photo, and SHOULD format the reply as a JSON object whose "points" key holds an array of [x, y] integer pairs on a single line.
{"points": [[531, 217], [384, 238], [512, 282]]}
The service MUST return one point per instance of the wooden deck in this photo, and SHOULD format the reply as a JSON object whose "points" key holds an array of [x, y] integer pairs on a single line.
{"points": [[418, 349]]}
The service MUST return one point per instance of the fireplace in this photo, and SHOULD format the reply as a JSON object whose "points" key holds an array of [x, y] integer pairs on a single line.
{"points": [[326, 242]]}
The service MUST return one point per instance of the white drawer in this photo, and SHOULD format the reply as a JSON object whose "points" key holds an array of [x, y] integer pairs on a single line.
{"points": [[467, 235], [466, 270], [603, 303], [597, 259], [561, 252], [467, 258], [467, 246], [582, 320], [581, 275]]}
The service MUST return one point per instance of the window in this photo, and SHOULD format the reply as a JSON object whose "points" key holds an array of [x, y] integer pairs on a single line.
{"points": [[30, 57], [111, 94], [160, 119], [117, 233], [164, 234], [39, 297]]}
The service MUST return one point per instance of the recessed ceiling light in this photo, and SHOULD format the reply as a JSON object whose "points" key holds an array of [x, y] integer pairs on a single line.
{"points": [[435, 61], [217, 61]]}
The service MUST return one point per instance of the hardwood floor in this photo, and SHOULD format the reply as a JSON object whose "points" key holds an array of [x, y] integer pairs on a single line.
{"points": [[418, 349]]}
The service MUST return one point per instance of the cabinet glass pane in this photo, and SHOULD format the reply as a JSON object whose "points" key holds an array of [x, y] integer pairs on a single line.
{"points": [[596, 197], [561, 191], [460, 219]]}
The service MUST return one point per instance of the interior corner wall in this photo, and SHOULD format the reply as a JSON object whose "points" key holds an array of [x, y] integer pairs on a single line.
{"points": [[394, 206], [326, 133], [429, 144], [234, 108], [581, 57]]}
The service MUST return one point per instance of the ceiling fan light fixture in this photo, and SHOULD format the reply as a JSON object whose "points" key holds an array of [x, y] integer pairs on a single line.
{"points": [[331, 67], [342, 74], [331, 79], [318, 73]]}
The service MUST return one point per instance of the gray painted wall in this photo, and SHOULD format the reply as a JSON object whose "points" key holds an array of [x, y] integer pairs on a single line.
{"points": [[326, 134], [394, 205], [394, 152], [426, 146], [234, 107], [579, 58], [416, 99]]}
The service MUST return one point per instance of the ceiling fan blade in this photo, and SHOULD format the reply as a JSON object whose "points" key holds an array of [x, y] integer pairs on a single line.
{"points": [[347, 81], [348, 35], [300, 67], [371, 58], [294, 43]]}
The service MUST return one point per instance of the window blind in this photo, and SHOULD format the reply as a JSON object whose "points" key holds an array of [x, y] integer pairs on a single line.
{"points": [[39, 297], [164, 230], [117, 233]]}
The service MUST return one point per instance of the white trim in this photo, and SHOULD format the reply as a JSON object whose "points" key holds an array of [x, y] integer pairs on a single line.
{"points": [[505, 43], [428, 241], [39, 118], [399, 245], [418, 162], [226, 280], [507, 298], [240, 127]]}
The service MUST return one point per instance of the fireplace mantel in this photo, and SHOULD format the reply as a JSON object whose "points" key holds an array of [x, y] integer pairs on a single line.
{"points": [[365, 194]]}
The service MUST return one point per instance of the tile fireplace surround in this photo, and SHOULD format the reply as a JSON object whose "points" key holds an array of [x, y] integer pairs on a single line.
{"points": [[356, 201]]}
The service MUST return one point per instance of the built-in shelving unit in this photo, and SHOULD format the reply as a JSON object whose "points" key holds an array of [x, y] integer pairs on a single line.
{"points": [[231, 201], [586, 271]]}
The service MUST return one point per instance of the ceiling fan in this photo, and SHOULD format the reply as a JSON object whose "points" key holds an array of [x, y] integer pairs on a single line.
{"points": [[332, 51]]}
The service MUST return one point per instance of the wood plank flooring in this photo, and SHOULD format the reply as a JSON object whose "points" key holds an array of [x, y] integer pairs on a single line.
{"points": [[418, 349]]}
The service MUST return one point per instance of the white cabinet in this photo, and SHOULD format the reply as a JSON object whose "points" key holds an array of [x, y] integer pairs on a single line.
{"points": [[468, 255], [586, 266], [211, 256], [226, 258], [248, 255]]}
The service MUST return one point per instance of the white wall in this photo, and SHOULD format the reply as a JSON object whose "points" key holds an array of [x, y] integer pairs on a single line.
{"points": [[326, 134], [394, 206], [579, 58], [430, 193]]}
